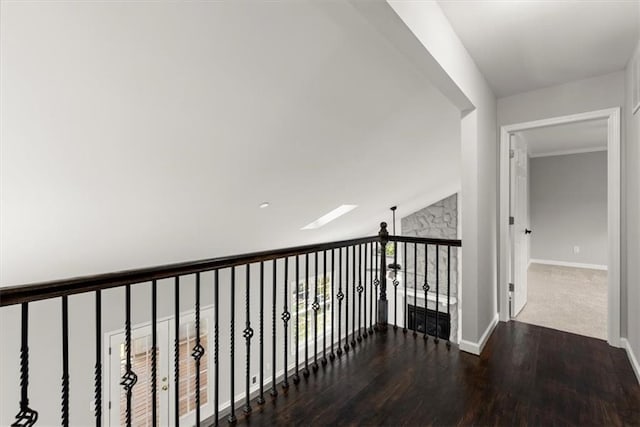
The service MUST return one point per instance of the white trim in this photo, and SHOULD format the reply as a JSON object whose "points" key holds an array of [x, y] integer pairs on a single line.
{"points": [[568, 264], [632, 357], [613, 210], [567, 152], [476, 348]]}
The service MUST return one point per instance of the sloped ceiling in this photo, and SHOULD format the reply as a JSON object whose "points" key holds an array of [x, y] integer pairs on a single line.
{"points": [[143, 133]]}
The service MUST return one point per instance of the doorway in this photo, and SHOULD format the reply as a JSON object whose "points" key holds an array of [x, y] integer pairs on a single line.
{"points": [[515, 223], [141, 351]]}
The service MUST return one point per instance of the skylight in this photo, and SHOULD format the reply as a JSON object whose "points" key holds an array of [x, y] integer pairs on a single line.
{"points": [[327, 218]]}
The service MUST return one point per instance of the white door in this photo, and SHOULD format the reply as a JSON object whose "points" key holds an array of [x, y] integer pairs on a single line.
{"points": [[519, 211], [141, 340]]}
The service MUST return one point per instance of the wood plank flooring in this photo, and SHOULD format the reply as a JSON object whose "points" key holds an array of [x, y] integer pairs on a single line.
{"points": [[527, 375]]}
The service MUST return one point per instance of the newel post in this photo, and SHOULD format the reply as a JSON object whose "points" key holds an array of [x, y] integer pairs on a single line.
{"points": [[382, 302]]}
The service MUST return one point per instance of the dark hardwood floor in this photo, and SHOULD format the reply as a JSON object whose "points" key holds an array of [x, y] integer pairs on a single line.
{"points": [[527, 375]]}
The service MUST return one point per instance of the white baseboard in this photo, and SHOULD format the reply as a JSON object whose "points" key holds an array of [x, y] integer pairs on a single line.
{"points": [[632, 357], [477, 347], [568, 264]]}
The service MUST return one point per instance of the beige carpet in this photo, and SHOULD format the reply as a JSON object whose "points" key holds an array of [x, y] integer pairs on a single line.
{"points": [[568, 299]]}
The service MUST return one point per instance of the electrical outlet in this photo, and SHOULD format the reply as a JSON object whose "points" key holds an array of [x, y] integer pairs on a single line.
{"points": [[576, 249], [253, 379]]}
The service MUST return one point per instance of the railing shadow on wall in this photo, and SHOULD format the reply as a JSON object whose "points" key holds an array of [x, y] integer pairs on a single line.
{"points": [[309, 282]]}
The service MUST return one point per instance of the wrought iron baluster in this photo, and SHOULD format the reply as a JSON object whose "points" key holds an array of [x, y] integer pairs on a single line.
{"points": [[415, 290], [353, 299], [176, 351], [437, 292], [129, 379], [363, 283], [26, 416], [426, 288], [376, 283], [340, 297], [261, 393], [247, 333], [359, 289], [383, 304], [286, 316], [216, 346], [154, 352], [371, 286], [449, 293], [305, 371], [404, 306], [232, 396], [332, 355], [296, 375], [324, 308], [346, 301], [97, 379], [198, 350], [395, 281], [315, 306], [65, 362], [274, 389]]}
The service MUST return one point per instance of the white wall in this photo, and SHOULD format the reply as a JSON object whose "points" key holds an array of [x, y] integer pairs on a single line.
{"points": [[632, 242], [568, 207], [479, 164]]}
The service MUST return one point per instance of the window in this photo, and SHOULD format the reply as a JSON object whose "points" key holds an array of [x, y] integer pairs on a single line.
{"points": [[307, 315]]}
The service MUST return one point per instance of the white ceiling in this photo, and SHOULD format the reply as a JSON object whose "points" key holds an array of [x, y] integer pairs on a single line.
{"points": [[140, 133], [530, 44], [570, 138]]}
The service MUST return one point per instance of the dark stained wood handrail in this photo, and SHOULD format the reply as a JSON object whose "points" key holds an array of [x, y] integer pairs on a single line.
{"points": [[45, 290]]}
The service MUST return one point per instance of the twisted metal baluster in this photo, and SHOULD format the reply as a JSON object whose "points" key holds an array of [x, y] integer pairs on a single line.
{"points": [[340, 297], [198, 349], [426, 288], [176, 351], [315, 306], [285, 319], [129, 379], [26, 416], [324, 308], [154, 351], [332, 355], [247, 333]]}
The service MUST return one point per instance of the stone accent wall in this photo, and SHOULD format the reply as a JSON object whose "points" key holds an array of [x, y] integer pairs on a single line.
{"points": [[440, 220]]}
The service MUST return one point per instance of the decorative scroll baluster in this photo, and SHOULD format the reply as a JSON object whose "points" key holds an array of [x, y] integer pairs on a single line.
{"points": [[286, 316], [65, 362], [359, 289], [154, 352], [274, 390], [247, 333], [332, 355], [261, 394], [26, 416], [129, 379], [232, 333], [216, 345], [363, 283], [315, 306], [296, 342], [449, 293], [324, 308], [176, 351], [426, 288], [376, 283], [97, 378], [346, 301], [404, 307], [395, 281], [340, 297], [437, 292], [415, 290], [371, 286], [305, 371], [383, 309], [353, 301], [198, 350]]}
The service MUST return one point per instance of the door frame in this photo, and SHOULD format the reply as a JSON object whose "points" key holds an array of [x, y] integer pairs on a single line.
{"points": [[612, 115]]}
